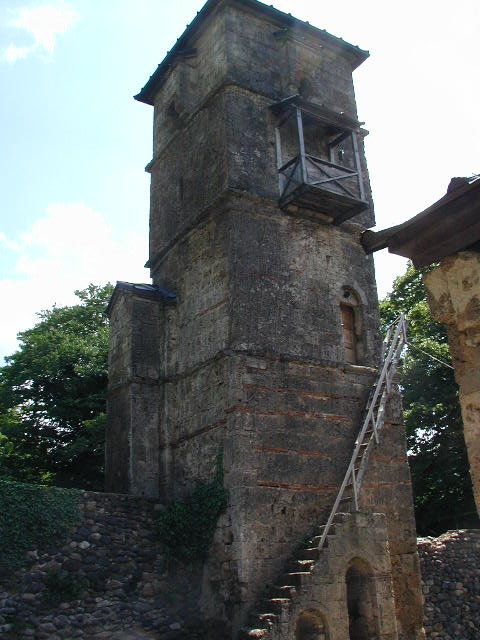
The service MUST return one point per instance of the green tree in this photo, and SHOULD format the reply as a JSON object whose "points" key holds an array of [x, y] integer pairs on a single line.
{"points": [[437, 454], [52, 396]]}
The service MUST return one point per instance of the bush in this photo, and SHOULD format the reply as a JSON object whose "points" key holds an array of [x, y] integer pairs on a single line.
{"points": [[186, 528], [30, 516]]}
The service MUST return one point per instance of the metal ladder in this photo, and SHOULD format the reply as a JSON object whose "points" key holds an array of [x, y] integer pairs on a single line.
{"points": [[374, 416]]}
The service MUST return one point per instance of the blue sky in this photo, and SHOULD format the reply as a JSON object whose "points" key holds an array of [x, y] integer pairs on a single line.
{"points": [[74, 194]]}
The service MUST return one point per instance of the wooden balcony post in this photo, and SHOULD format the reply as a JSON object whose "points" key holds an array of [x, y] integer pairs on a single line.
{"points": [[301, 144], [361, 186], [278, 144]]}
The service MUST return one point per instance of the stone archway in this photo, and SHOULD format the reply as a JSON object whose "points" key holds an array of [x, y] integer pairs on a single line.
{"points": [[361, 601], [311, 625]]}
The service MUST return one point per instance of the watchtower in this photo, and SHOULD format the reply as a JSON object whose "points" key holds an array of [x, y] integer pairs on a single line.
{"points": [[259, 336]]}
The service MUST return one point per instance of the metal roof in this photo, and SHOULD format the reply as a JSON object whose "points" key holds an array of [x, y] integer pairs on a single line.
{"points": [[142, 290], [182, 47]]}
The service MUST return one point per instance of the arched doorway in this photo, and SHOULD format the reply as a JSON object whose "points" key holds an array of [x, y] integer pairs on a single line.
{"points": [[361, 601], [311, 625]]}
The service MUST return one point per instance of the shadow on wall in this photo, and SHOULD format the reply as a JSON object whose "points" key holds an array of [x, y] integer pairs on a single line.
{"points": [[361, 601]]}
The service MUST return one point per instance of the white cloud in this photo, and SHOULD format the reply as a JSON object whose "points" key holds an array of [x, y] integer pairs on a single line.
{"points": [[43, 24], [13, 53], [8, 244], [66, 249]]}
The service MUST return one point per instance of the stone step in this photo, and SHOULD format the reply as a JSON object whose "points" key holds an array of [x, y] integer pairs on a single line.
{"points": [[248, 633], [309, 553], [315, 541], [341, 517], [300, 565], [262, 620], [284, 591], [297, 578], [321, 529], [278, 606]]}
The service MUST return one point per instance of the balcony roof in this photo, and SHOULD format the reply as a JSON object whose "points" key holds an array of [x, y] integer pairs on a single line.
{"points": [[318, 111]]}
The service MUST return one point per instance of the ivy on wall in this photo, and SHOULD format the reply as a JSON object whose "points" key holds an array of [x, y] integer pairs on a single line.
{"points": [[186, 527], [30, 516]]}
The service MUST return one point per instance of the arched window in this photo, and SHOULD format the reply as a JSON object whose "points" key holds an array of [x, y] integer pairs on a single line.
{"points": [[311, 626], [351, 325], [361, 601]]}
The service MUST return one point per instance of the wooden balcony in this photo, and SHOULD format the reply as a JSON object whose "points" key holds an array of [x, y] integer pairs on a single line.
{"points": [[312, 182]]}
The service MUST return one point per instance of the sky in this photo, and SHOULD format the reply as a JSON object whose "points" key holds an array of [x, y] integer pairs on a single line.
{"points": [[74, 144]]}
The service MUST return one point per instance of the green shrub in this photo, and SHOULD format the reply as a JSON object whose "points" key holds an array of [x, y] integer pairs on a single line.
{"points": [[32, 516], [186, 527]]}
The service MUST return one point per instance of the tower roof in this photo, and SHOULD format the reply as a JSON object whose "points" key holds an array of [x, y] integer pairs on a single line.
{"points": [[182, 47]]}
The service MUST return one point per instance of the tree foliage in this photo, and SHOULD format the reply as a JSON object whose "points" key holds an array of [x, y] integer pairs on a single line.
{"points": [[52, 396], [437, 454]]}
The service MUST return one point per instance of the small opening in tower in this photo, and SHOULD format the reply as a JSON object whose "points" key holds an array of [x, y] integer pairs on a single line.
{"points": [[349, 337], [174, 116], [350, 319], [305, 88]]}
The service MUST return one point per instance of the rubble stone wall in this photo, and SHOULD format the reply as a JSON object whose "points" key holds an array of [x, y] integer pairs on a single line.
{"points": [[108, 579], [451, 585]]}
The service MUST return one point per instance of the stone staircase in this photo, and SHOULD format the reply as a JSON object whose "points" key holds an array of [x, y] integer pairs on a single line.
{"points": [[310, 598], [274, 611]]}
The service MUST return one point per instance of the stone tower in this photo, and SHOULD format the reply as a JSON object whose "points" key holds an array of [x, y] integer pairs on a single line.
{"points": [[259, 337]]}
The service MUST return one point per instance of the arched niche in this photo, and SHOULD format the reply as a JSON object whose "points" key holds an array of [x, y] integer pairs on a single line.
{"points": [[351, 319], [361, 601], [311, 625]]}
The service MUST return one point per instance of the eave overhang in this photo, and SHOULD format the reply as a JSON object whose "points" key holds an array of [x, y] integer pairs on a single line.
{"points": [[449, 225], [140, 290], [183, 46]]}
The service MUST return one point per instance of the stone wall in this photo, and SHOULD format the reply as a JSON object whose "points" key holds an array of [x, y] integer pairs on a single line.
{"points": [[451, 585], [453, 290], [133, 595], [113, 568]]}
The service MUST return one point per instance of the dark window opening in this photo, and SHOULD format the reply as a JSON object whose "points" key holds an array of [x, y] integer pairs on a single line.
{"points": [[349, 334], [174, 116]]}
